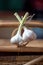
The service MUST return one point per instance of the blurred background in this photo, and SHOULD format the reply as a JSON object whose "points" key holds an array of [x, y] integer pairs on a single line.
{"points": [[8, 7], [21, 5]]}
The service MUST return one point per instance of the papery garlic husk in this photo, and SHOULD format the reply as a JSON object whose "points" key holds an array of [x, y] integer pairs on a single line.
{"points": [[17, 38], [28, 35]]}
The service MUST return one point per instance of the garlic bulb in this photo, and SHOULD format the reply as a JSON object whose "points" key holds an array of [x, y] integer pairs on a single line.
{"points": [[28, 35], [17, 38]]}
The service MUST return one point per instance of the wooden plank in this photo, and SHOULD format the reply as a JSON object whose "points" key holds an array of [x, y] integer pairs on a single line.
{"points": [[14, 23], [34, 61], [18, 60], [35, 43], [33, 46]]}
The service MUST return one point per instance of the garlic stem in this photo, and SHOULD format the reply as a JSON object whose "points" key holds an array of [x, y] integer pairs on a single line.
{"points": [[18, 17], [24, 18], [22, 22]]}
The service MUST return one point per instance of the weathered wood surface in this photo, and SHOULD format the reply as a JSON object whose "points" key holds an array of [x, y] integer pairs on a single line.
{"points": [[33, 46], [18, 60], [14, 23], [34, 61]]}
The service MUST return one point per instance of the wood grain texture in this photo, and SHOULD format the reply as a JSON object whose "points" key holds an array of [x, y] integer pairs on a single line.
{"points": [[18, 60], [14, 23], [34, 61], [33, 46]]}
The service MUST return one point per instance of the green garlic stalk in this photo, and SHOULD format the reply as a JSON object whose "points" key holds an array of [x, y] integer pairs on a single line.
{"points": [[23, 21], [18, 17]]}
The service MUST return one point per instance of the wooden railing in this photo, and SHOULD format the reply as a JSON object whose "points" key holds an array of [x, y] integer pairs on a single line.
{"points": [[13, 23]]}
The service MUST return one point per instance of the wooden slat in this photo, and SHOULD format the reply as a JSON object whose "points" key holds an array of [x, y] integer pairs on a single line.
{"points": [[33, 46], [18, 60], [13, 23]]}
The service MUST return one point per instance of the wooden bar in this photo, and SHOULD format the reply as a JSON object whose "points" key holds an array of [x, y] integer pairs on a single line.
{"points": [[33, 46], [13, 23], [34, 61]]}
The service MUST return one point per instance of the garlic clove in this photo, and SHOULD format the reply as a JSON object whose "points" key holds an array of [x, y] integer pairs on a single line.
{"points": [[28, 34]]}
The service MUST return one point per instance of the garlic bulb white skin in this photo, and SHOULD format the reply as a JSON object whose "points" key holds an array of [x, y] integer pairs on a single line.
{"points": [[28, 34], [17, 38]]}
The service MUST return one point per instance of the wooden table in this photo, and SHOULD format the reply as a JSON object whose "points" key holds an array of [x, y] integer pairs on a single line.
{"points": [[33, 46]]}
